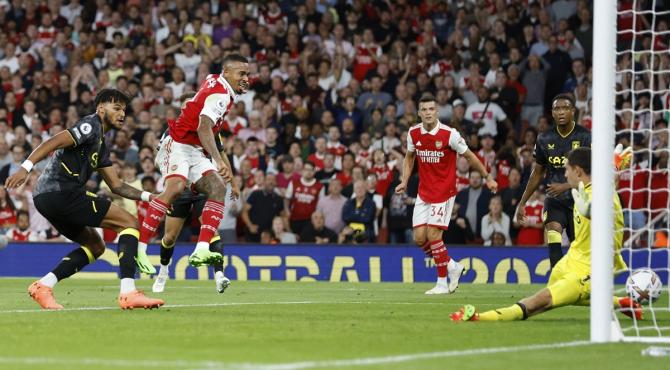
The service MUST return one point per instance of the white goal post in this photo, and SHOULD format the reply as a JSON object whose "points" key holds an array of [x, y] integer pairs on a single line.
{"points": [[602, 169]]}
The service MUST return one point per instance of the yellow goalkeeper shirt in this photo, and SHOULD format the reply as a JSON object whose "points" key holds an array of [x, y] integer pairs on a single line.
{"points": [[579, 254]]}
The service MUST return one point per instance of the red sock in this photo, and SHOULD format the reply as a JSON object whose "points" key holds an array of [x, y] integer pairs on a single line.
{"points": [[212, 214], [155, 214], [441, 257]]}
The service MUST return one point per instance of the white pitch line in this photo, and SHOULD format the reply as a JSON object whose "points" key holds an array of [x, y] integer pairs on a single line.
{"points": [[215, 365], [224, 304]]}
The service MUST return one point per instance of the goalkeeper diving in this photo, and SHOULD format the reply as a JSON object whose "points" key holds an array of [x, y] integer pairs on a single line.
{"points": [[570, 280]]}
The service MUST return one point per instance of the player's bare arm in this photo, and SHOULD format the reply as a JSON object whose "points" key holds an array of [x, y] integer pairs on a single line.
{"points": [[557, 188], [59, 141], [118, 187], [479, 167], [234, 189], [407, 167], [206, 136], [536, 177]]}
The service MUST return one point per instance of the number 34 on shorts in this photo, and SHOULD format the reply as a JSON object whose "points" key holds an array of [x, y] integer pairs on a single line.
{"points": [[432, 214]]}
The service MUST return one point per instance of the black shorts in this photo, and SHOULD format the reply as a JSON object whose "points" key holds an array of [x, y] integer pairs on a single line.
{"points": [[71, 211], [558, 210], [187, 204]]}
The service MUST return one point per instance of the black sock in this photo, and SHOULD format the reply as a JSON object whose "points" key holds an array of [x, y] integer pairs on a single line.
{"points": [[72, 263], [166, 254], [127, 254], [555, 253], [217, 246]]}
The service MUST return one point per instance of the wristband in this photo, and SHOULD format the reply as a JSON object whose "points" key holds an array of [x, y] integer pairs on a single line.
{"points": [[27, 165], [146, 196]]}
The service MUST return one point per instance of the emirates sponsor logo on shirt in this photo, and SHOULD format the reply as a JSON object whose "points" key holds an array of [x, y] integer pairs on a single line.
{"points": [[430, 156]]}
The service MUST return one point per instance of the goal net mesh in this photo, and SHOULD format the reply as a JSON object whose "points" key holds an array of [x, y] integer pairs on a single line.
{"points": [[643, 111]]}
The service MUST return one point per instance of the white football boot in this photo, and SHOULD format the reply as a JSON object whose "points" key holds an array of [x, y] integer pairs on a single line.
{"points": [[162, 278], [454, 271], [222, 282]]}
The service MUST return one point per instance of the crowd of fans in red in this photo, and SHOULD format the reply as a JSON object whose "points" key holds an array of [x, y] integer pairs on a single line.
{"points": [[335, 86]]}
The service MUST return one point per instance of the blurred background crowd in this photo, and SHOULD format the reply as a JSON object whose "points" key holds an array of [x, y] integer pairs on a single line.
{"points": [[334, 89]]}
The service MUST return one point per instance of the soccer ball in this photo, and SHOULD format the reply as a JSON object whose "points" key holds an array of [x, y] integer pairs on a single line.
{"points": [[644, 285]]}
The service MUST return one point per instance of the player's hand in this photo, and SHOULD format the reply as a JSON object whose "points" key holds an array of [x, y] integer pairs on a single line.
{"points": [[224, 171], [582, 203], [234, 192], [556, 189], [492, 184], [401, 188], [17, 179], [622, 157], [521, 214]]}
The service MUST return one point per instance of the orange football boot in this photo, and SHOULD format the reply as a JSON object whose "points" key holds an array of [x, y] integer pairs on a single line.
{"points": [[137, 299], [43, 295]]}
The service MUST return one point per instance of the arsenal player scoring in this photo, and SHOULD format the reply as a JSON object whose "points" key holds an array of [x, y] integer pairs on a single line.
{"points": [[437, 146]]}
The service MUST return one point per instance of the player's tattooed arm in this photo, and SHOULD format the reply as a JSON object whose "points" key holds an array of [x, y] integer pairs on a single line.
{"points": [[117, 185], [206, 136]]}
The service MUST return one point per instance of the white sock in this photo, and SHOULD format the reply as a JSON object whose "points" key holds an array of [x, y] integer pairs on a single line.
{"points": [[142, 247], [164, 270], [49, 280], [127, 285], [218, 275], [201, 246], [442, 280]]}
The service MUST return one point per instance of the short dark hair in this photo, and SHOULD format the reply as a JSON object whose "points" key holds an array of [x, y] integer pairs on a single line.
{"points": [[234, 57], [185, 96], [111, 96], [427, 98], [564, 96], [581, 157]]}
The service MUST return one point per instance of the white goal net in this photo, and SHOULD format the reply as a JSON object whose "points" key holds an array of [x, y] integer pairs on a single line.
{"points": [[642, 101]]}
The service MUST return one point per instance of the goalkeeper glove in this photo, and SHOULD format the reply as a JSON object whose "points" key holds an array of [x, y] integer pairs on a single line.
{"points": [[582, 202], [622, 157]]}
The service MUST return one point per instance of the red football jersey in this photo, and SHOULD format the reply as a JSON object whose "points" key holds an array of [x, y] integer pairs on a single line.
{"points": [[633, 187], [384, 178], [304, 197], [214, 100], [436, 153], [658, 199], [363, 61], [530, 235], [503, 169], [18, 235], [317, 159]]}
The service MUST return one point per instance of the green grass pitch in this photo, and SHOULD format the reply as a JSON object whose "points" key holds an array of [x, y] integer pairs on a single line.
{"points": [[283, 326]]}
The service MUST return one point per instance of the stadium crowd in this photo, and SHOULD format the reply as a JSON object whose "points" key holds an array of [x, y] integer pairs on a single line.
{"points": [[334, 89]]}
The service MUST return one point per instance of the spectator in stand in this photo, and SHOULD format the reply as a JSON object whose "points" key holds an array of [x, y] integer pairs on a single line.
{"points": [[400, 207], [359, 213], [18, 156], [495, 221], [532, 231], [7, 211], [262, 206], [474, 201], [317, 232], [232, 210], [331, 206], [278, 233], [459, 231], [328, 172], [487, 114], [534, 71], [301, 198], [21, 231]]}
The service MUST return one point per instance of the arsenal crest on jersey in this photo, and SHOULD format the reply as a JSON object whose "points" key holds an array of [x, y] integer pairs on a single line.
{"points": [[438, 144]]}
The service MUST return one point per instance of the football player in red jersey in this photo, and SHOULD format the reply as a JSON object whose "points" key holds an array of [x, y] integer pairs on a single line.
{"points": [[183, 160], [436, 147]]}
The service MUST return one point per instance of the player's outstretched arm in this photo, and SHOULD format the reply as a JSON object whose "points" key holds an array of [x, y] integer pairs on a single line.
{"points": [[59, 141], [407, 167], [536, 177], [118, 187], [479, 167]]}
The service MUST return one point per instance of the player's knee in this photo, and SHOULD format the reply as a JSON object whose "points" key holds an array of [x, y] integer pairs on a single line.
{"points": [[420, 239], [173, 190], [128, 222], [434, 234], [169, 239], [96, 249], [218, 192]]}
